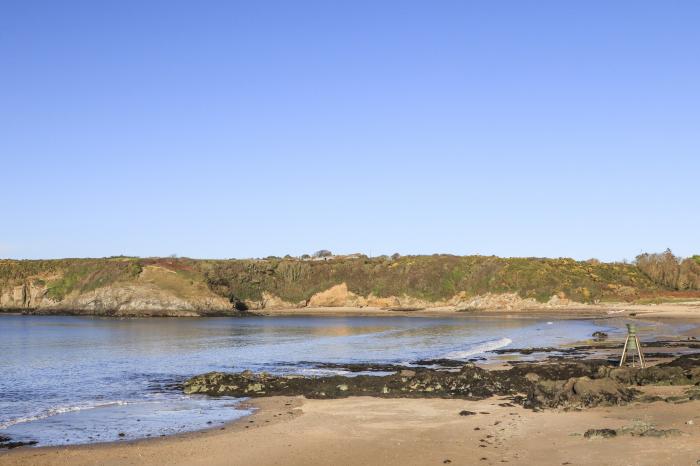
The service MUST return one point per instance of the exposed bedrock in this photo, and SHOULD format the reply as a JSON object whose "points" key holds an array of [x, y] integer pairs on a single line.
{"points": [[560, 384]]}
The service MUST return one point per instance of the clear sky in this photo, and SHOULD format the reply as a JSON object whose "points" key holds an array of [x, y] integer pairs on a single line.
{"points": [[246, 129]]}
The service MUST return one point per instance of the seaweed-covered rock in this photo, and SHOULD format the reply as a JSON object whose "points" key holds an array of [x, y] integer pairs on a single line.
{"points": [[654, 375], [470, 382], [687, 362], [563, 384], [600, 433], [580, 392], [7, 443], [644, 429]]}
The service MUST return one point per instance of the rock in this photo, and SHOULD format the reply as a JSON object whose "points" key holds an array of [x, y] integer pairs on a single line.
{"points": [[654, 375], [662, 433], [271, 301], [336, 296], [122, 434], [600, 433], [466, 413], [643, 429], [580, 392], [10, 445], [600, 336], [554, 384], [507, 301], [558, 300], [156, 291]]}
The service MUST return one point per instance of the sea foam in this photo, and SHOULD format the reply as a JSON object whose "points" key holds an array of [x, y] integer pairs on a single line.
{"points": [[478, 348], [58, 410]]}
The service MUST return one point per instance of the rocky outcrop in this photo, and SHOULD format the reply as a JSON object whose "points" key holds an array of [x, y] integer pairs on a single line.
{"points": [[684, 370], [579, 392], [470, 382], [503, 301], [335, 296], [638, 429], [270, 301], [560, 384], [155, 292], [28, 295], [139, 299], [7, 443], [340, 296]]}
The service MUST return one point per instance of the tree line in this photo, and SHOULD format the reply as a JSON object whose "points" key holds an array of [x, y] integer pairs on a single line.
{"points": [[670, 271]]}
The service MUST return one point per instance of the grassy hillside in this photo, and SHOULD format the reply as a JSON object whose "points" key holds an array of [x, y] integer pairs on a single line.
{"points": [[429, 278], [65, 275]]}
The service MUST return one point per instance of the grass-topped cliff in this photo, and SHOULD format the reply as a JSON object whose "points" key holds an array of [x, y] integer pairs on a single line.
{"points": [[182, 286]]}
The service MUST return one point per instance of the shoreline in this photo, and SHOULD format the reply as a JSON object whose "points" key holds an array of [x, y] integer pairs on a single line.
{"points": [[660, 351], [683, 309], [262, 414], [274, 411], [366, 430]]}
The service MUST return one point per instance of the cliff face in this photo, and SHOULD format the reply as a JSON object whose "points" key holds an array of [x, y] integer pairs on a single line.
{"points": [[154, 291], [24, 296], [187, 287]]}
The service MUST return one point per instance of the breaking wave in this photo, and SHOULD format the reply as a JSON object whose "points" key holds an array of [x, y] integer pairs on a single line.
{"points": [[56, 411], [478, 348]]}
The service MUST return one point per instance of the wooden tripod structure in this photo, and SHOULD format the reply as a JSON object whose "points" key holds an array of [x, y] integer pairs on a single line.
{"points": [[632, 344]]}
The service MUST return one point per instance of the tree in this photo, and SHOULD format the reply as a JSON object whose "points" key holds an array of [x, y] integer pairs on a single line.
{"points": [[323, 253], [689, 275], [663, 268]]}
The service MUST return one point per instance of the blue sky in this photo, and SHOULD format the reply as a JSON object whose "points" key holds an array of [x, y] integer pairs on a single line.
{"points": [[247, 129]]}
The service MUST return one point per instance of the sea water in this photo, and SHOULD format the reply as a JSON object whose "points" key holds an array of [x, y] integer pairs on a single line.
{"points": [[70, 380]]}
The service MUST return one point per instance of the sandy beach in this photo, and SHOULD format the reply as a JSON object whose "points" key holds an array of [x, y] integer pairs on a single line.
{"points": [[363, 430], [671, 310]]}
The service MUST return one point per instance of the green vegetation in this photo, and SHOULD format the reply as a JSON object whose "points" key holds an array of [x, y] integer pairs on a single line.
{"points": [[671, 271], [431, 278], [92, 274], [65, 275], [652, 278]]}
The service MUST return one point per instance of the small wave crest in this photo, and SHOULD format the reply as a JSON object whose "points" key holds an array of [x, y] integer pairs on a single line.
{"points": [[320, 372], [58, 410], [477, 348]]}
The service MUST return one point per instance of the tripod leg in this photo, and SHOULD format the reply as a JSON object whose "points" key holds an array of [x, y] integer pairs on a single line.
{"points": [[639, 350], [624, 351]]}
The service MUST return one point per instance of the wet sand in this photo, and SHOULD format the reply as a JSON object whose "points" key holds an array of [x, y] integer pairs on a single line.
{"points": [[362, 431]]}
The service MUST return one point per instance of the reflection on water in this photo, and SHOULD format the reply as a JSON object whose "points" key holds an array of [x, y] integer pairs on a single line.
{"points": [[68, 379]]}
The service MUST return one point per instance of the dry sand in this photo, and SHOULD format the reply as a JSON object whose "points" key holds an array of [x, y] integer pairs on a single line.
{"points": [[674, 310], [368, 431]]}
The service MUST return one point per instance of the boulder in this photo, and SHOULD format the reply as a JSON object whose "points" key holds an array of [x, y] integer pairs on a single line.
{"points": [[600, 433]]}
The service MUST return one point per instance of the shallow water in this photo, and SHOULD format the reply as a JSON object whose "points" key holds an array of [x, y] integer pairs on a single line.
{"points": [[67, 380]]}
